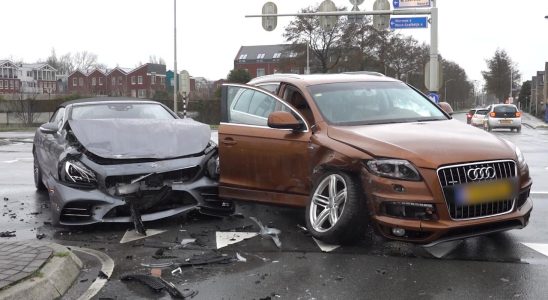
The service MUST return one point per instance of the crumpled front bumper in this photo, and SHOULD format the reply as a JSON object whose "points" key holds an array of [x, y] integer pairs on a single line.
{"points": [[78, 206]]}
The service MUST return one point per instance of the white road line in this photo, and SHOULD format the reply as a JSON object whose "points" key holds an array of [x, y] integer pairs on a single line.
{"points": [[539, 193], [107, 267], [17, 160], [541, 248]]}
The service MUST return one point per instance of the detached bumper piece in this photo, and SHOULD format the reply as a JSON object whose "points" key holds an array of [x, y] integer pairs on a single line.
{"points": [[158, 284]]}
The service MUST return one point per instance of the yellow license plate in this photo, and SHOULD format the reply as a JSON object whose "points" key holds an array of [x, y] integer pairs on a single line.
{"points": [[479, 193], [505, 121]]}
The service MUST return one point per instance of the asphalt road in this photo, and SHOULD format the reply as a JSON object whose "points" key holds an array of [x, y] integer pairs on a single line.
{"points": [[497, 266]]}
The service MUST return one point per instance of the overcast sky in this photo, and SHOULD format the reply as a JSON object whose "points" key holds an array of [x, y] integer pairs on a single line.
{"points": [[210, 33]]}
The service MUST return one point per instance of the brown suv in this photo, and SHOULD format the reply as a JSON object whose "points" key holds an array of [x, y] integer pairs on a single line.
{"points": [[359, 148]]}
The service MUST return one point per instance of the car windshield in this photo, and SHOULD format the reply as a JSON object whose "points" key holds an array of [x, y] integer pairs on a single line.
{"points": [[120, 111], [482, 112], [505, 109], [361, 103]]}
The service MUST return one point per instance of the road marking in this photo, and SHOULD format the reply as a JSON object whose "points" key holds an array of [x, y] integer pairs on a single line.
{"points": [[17, 160], [224, 239], [131, 235], [541, 248], [539, 193], [107, 267], [324, 246]]}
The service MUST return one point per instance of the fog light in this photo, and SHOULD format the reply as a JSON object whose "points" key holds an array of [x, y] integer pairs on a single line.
{"points": [[398, 231]]}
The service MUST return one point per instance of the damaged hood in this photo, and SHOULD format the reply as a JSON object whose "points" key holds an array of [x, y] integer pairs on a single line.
{"points": [[426, 144], [138, 138]]}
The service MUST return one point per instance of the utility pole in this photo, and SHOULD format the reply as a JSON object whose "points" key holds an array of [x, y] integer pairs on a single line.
{"points": [[434, 67], [175, 56]]}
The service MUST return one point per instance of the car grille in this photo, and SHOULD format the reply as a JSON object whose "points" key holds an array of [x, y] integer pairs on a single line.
{"points": [[453, 176], [184, 175]]}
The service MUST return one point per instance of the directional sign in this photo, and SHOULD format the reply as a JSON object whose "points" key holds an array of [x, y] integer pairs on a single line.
{"points": [[434, 96], [411, 3], [406, 23]]}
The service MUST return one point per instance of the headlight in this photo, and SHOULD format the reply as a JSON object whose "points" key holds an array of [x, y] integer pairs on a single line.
{"points": [[76, 172], [521, 158], [394, 168]]}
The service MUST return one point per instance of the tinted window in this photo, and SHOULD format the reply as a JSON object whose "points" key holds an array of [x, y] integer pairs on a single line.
{"points": [[354, 103], [120, 111], [482, 112], [273, 88], [505, 109]]}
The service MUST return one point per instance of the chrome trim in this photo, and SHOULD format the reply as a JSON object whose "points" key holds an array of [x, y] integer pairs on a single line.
{"points": [[257, 126], [476, 163]]}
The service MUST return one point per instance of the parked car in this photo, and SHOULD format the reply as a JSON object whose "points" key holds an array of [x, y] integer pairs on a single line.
{"points": [[124, 161], [359, 148], [505, 116], [479, 118], [470, 114]]}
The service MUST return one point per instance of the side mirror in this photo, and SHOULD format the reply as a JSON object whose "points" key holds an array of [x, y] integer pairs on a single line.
{"points": [[284, 120], [49, 128], [446, 108]]}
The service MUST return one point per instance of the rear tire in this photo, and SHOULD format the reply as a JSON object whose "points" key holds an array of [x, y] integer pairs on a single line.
{"points": [[336, 212], [38, 183], [489, 128], [518, 129]]}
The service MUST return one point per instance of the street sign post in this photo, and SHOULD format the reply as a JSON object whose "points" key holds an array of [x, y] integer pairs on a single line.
{"points": [[407, 23], [410, 3]]}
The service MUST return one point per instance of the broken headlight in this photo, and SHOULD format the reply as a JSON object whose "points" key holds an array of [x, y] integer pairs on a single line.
{"points": [[393, 168], [75, 172]]}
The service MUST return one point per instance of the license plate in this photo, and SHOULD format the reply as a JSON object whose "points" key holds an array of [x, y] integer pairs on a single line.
{"points": [[485, 192], [505, 121]]}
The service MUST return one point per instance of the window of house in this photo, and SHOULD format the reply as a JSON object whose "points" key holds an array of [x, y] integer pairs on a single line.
{"points": [[1, 84], [142, 93], [74, 81], [120, 80], [260, 56], [243, 57], [29, 73], [81, 81], [132, 79], [11, 84], [277, 55], [292, 54], [93, 82], [260, 72], [153, 79], [100, 80], [113, 81], [140, 79]]}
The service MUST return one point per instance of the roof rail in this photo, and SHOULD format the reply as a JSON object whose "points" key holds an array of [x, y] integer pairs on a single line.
{"points": [[365, 73]]}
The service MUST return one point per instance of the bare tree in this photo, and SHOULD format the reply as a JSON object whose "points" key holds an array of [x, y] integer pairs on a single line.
{"points": [[85, 60], [156, 60], [23, 109]]}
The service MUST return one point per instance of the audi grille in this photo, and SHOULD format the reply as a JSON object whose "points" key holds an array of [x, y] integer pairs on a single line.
{"points": [[456, 176]]}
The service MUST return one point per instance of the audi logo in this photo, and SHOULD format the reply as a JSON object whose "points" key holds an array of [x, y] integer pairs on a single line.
{"points": [[481, 173]]}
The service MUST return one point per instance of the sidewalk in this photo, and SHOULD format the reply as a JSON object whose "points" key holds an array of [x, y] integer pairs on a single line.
{"points": [[36, 270], [532, 121]]}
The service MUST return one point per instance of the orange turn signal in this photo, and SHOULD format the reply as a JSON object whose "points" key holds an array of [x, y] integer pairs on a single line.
{"points": [[518, 114], [492, 114]]}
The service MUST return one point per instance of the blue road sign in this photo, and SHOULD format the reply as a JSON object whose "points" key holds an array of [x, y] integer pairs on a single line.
{"points": [[404, 23], [434, 96], [411, 3]]}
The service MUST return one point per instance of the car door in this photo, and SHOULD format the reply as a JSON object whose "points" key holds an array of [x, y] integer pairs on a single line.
{"points": [[258, 162], [53, 145]]}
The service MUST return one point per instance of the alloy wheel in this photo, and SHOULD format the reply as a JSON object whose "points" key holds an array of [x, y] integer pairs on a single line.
{"points": [[328, 203]]}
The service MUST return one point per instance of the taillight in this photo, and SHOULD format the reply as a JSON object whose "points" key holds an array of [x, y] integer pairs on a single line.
{"points": [[518, 114], [492, 114], [468, 115]]}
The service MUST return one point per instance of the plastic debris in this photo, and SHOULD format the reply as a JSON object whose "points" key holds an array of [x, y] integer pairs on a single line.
{"points": [[40, 236], [177, 271], [269, 232], [7, 234], [158, 284], [240, 258], [160, 265], [185, 242], [207, 259]]}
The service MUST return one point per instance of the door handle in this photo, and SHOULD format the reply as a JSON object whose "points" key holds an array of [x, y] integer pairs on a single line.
{"points": [[229, 142]]}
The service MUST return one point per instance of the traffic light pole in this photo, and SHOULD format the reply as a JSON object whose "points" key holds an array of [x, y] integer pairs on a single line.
{"points": [[433, 12]]}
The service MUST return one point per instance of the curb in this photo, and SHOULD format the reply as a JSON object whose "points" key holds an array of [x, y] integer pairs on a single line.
{"points": [[58, 275]]}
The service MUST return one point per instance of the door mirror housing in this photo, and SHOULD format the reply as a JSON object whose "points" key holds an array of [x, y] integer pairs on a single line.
{"points": [[284, 120], [446, 108], [49, 128]]}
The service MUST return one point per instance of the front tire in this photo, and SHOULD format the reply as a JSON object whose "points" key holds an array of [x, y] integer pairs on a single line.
{"points": [[38, 183], [336, 212]]}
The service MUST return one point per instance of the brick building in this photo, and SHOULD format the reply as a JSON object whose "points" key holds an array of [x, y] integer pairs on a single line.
{"points": [[141, 82], [9, 77], [269, 59]]}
